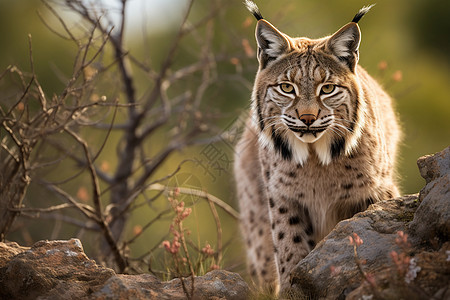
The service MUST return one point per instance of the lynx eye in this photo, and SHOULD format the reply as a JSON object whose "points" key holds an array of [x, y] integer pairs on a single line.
{"points": [[287, 88], [327, 88]]}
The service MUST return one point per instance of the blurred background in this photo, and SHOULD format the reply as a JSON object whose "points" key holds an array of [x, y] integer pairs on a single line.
{"points": [[405, 46]]}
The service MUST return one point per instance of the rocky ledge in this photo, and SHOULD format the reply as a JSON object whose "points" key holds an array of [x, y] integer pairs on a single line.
{"points": [[61, 270], [396, 249], [399, 248]]}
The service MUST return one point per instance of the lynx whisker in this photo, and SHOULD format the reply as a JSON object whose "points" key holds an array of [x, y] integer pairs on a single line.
{"points": [[337, 131], [344, 120], [343, 127]]}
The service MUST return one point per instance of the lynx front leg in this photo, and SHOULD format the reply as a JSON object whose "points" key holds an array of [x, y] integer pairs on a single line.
{"points": [[255, 226], [292, 233], [254, 209]]}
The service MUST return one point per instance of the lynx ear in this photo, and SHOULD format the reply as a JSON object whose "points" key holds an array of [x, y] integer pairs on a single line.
{"points": [[271, 42], [345, 44]]}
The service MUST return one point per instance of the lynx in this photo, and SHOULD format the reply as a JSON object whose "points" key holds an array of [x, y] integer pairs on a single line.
{"points": [[319, 146]]}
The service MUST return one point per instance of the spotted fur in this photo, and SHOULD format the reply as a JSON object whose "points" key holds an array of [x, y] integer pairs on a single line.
{"points": [[319, 146]]}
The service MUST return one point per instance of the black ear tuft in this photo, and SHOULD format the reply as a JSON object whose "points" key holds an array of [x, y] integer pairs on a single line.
{"points": [[253, 8], [361, 13], [271, 42]]}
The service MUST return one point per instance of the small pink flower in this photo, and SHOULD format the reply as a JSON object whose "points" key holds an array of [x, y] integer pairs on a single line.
{"points": [[166, 245], [173, 247], [370, 279], [335, 270], [394, 256], [186, 213], [402, 238], [180, 207], [208, 250], [357, 239]]}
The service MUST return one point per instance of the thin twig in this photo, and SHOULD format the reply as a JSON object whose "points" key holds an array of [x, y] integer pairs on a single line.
{"points": [[188, 259], [61, 21], [201, 194], [120, 260], [81, 224], [364, 273], [43, 210], [183, 284], [166, 64], [146, 226], [219, 231], [86, 210]]}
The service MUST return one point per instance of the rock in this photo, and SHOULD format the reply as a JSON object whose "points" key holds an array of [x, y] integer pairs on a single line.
{"points": [[377, 227], [430, 283], [61, 270], [8, 251], [53, 268], [433, 167], [432, 218], [213, 285], [419, 268]]}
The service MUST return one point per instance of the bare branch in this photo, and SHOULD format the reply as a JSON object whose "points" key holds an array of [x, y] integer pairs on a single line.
{"points": [[61, 21], [156, 162], [22, 97], [146, 226], [42, 97], [86, 210], [82, 224], [165, 65], [105, 40], [201, 194], [121, 261], [167, 100]]}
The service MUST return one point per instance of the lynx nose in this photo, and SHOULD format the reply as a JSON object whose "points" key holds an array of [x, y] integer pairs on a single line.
{"points": [[308, 119]]}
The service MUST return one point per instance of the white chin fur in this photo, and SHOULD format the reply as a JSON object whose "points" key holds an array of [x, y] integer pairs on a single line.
{"points": [[322, 148], [309, 138], [321, 145], [300, 152], [300, 149]]}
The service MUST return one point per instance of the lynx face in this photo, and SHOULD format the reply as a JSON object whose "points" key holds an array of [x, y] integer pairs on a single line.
{"points": [[307, 94]]}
